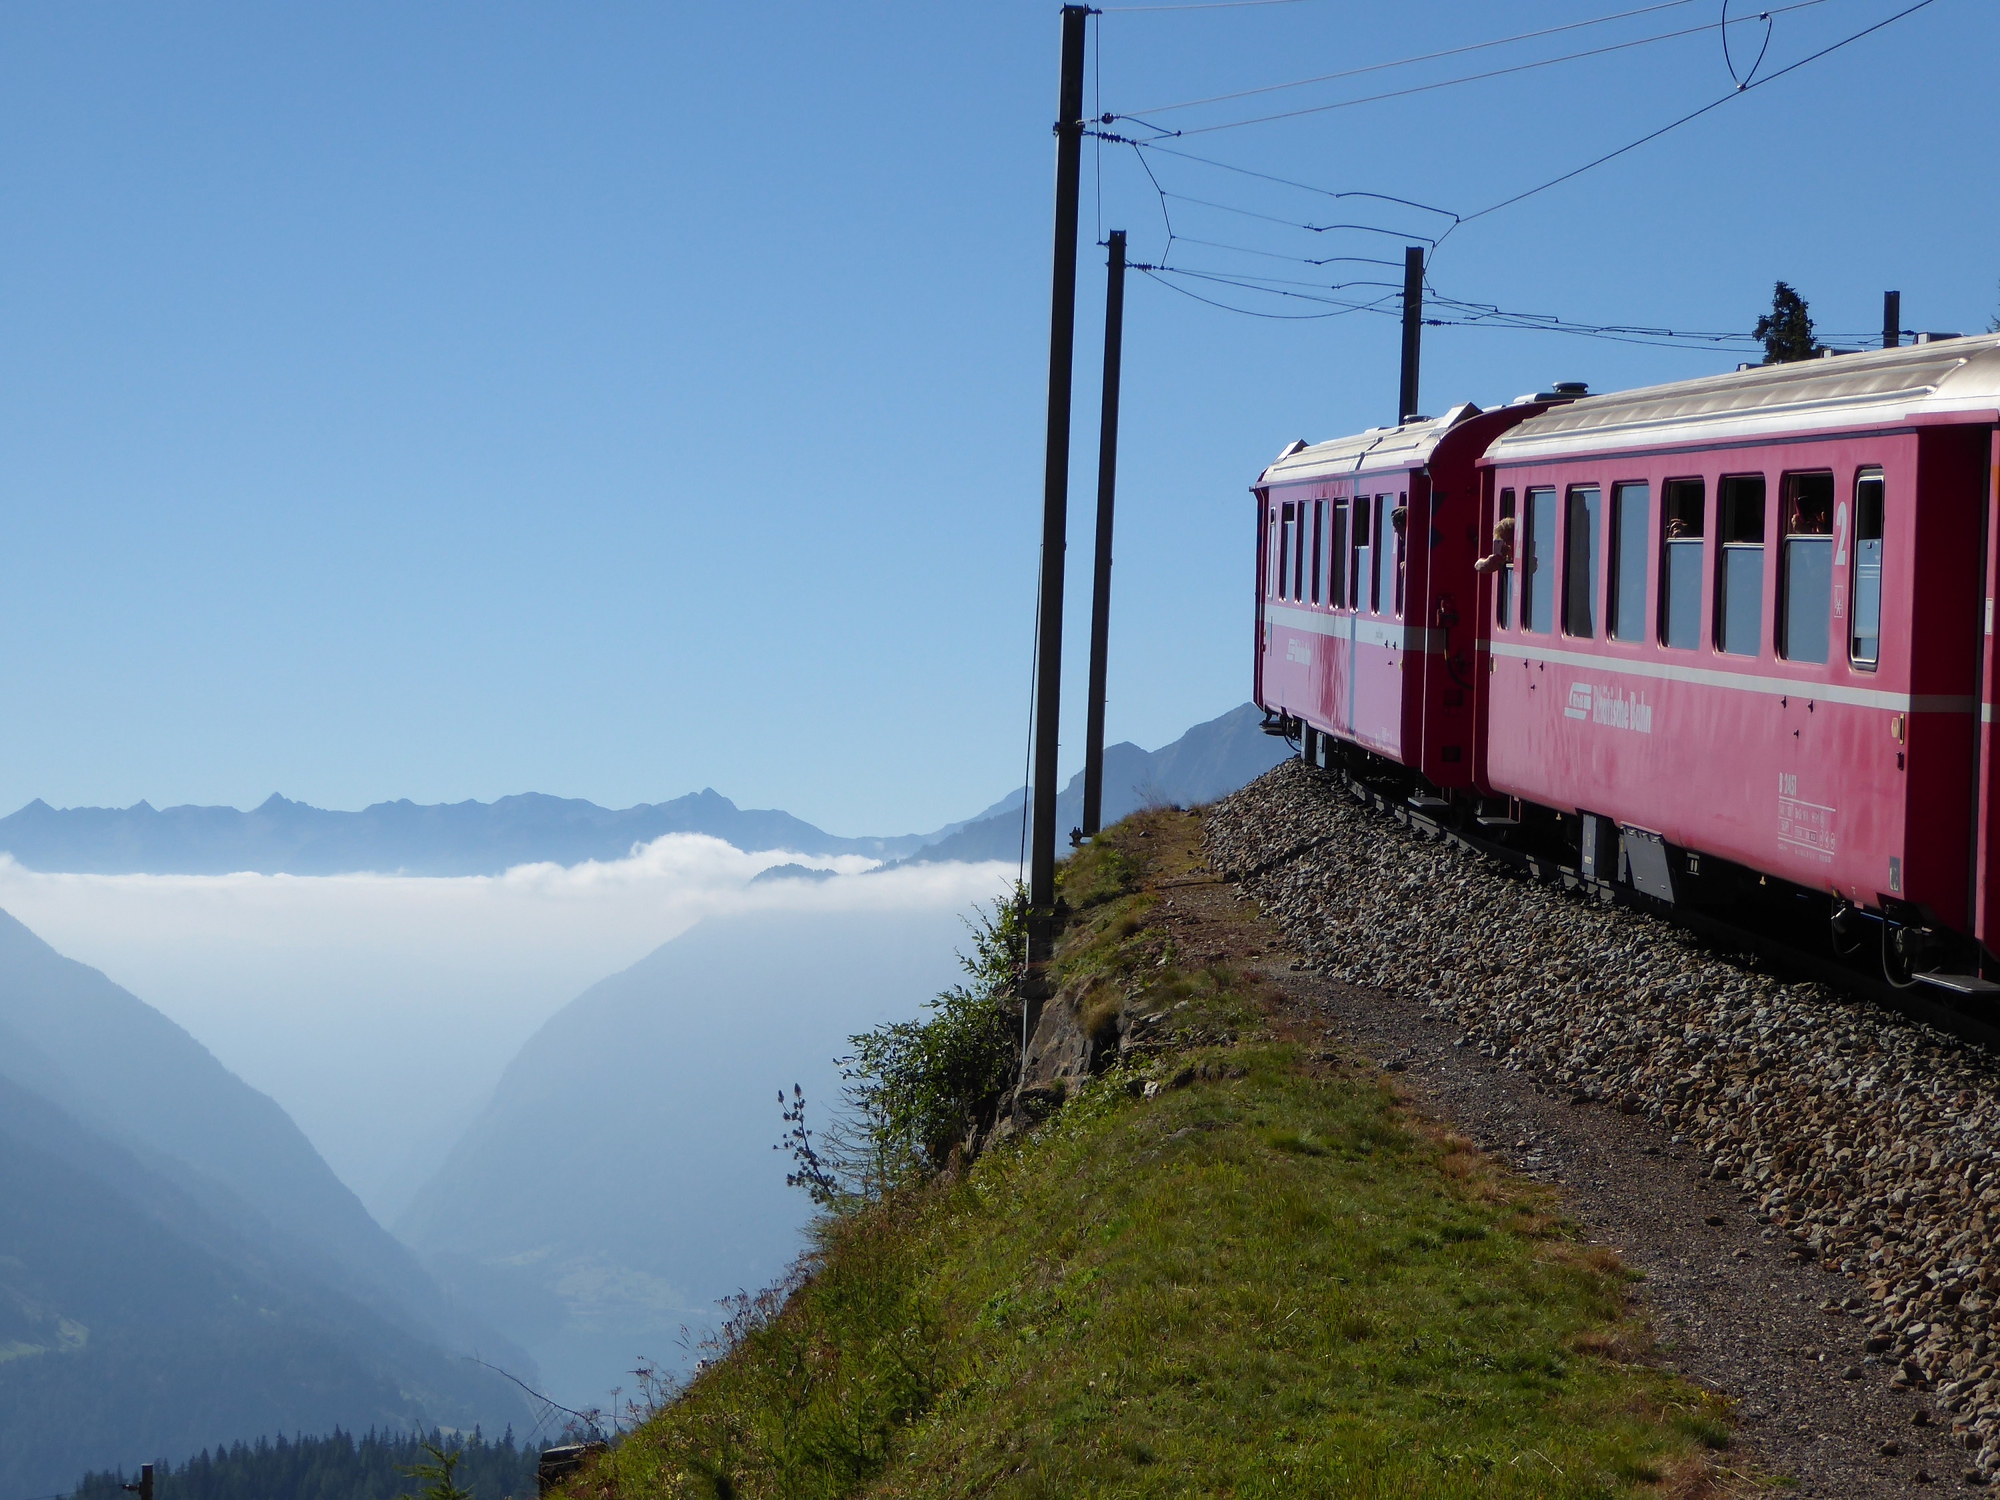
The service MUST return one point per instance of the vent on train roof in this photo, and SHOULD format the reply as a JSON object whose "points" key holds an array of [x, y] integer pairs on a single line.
{"points": [[1563, 390]]}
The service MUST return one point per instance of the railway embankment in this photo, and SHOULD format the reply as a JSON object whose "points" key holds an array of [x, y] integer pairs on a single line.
{"points": [[1212, 1247], [1811, 1182]]}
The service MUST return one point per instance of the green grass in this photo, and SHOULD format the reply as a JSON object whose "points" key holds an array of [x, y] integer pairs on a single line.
{"points": [[1269, 1281], [1262, 1286]]}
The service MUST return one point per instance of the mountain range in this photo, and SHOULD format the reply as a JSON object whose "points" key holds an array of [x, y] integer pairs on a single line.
{"points": [[180, 1268], [177, 1264], [623, 1178], [282, 837], [1211, 760]]}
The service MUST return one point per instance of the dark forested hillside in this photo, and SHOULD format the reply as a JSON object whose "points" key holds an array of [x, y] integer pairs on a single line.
{"points": [[132, 1076], [177, 1264], [340, 1467], [679, 1058]]}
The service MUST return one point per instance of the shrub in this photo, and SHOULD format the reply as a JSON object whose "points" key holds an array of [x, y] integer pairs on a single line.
{"points": [[918, 1088]]}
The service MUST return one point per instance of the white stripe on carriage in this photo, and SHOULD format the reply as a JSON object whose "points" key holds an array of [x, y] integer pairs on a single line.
{"points": [[1357, 628], [1743, 682]]}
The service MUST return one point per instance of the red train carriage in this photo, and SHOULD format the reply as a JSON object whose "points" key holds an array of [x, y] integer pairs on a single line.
{"points": [[1365, 589], [1745, 634], [1750, 616]]}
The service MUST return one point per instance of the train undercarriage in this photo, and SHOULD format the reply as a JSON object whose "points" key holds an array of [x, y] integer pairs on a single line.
{"points": [[1897, 950]]}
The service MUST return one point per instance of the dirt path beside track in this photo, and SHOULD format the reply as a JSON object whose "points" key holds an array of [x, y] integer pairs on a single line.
{"points": [[1733, 1302]]}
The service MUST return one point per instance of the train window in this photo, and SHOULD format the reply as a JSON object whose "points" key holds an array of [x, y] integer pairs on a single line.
{"points": [[1299, 556], [1359, 572], [1389, 589], [1503, 583], [1287, 524], [1625, 611], [1336, 554], [1864, 643], [1683, 518], [1308, 559], [1580, 560], [1318, 544], [1805, 567], [1271, 551], [1538, 555], [1739, 594]]}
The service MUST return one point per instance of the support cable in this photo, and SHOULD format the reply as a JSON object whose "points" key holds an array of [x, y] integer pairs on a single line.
{"points": [[1469, 79], [1735, 93], [1404, 62]]}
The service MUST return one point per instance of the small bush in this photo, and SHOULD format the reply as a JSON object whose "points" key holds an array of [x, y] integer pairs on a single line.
{"points": [[919, 1088]]}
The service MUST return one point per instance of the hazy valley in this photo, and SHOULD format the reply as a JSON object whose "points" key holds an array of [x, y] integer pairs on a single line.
{"points": [[575, 1166]]}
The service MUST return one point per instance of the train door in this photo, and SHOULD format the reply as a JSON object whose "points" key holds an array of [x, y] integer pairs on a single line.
{"points": [[1261, 634], [1338, 680], [1986, 853], [1378, 637]]}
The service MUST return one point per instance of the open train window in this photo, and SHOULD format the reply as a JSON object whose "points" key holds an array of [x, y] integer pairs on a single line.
{"points": [[1805, 567], [1287, 524], [1389, 589], [1299, 557], [1864, 641], [1503, 584], [1739, 578], [1359, 572], [1683, 521], [1538, 556], [1586, 501], [1336, 555], [1318, 544], [1625, 611]]}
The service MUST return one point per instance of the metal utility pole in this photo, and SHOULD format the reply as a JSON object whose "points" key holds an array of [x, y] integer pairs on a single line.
{"points": [[1055, 490], [144, 1488], [1892, 319], [1413, 329], [1107, 491]]}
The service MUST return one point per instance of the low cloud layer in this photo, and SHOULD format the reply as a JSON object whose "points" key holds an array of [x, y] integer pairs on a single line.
{"points": [[379, 1010]]}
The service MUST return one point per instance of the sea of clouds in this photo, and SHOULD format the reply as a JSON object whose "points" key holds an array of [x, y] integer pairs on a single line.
{"points": [[379, 1010]]}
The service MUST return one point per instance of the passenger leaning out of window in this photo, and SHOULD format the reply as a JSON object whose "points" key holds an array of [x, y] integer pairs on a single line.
{"points": [[1503, 548], [1810, 511]]}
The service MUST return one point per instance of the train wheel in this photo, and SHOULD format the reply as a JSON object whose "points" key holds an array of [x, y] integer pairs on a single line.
{"points": [[1899, 948]]}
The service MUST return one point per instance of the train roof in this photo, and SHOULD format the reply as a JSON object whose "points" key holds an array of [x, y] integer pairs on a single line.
{"points": [[1409, 446], [1939, 380]]}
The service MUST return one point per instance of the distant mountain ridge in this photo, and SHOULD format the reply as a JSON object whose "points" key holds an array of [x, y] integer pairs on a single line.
{"points": [[281, 837], [1211, 760]]}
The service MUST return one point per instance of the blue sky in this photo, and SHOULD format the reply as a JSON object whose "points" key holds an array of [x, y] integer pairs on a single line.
{"points": [[456, 400]]}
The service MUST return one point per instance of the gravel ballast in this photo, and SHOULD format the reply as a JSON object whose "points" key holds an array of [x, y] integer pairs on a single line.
{"points": [[1865, 1144]]}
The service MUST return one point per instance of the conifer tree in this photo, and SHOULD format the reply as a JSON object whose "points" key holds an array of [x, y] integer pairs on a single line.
{"points": [[1786, 330]]}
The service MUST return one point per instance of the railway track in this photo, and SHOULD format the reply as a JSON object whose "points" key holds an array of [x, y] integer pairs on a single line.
{"points": [[1972, 1021]]}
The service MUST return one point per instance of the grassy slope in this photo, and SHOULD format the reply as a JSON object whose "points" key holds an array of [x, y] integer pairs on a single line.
{"points": [[1269, 1280]]}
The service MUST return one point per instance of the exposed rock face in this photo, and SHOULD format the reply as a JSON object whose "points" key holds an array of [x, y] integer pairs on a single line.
{"points": [[1869, 1143]]}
